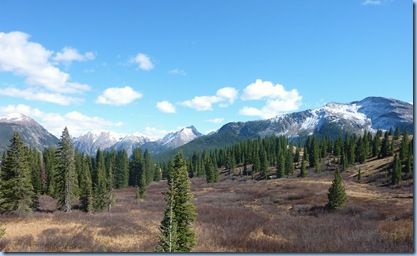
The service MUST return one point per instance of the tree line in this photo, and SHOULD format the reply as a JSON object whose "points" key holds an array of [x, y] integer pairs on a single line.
{"points": [[66, 175], [254, 157]]}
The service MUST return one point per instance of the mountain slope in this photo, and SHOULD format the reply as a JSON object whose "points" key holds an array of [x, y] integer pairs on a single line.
{"points": [[332, 120], [32, 133], [106, 140], [91, 141]]}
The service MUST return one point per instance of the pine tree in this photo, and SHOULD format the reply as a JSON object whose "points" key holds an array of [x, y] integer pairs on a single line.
{"points": [[281, 165], [183, 211], [67, 183], [264, 166], [16, 190], [289, 163], [100, 195], [141, 181], [86, 187], [303, 171], [168, 239], [148, 166], [396, 175], [50, 169], [337, 195]]}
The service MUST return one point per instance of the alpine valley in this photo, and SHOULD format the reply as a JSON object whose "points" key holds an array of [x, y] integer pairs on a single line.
{"points": [[331, 120]]}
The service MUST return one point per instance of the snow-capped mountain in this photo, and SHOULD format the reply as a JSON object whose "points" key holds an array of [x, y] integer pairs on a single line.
{"points": [[130, 142], [31, 132], [333, 119], [179, 138], [91, 141]]}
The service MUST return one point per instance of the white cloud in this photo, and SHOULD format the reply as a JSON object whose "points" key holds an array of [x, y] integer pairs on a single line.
{"points": [[278, 100], [32, 61], [76, 122], [203, 103], [144, 62], [118, 96], [376, 2], [30, 94], [166, 106], [228, 93], [215, 120], [177, 71], [68, 55]]}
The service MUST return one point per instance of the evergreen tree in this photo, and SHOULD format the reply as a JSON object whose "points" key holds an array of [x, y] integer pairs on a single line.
{"points": [[396, 175], [404, 147], [135, 166], [168, 239], [212, 175], [110, 198], [337, 195], [148, 166], [86, 186], [50, 169], [16, 190], [264, 172], [180, 214], [66, 176], [100, 196], [359, 175], [281, 165], [121, 169], [289, 162], [141, 181]]}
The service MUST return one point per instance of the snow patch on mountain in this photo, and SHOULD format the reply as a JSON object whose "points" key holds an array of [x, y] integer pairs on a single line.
{"points": [[15, 117]]}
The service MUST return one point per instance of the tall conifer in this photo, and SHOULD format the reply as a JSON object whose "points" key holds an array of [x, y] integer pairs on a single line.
{"points": [[16, 190], [66, 177]]}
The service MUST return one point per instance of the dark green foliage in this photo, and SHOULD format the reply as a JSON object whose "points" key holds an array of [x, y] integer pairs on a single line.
{"points": [[149, 167], [289, 162], [337, 195], [137, 173], [66, 176], [86, 186], [168, 238], [212, 173], [385, 147], [100, 195], [404, 147], [281, 165], [16, 190], [264, 172], [121, 170], [176, 227], [141, 187], [50, 169], [303, 171], [396, 174]]}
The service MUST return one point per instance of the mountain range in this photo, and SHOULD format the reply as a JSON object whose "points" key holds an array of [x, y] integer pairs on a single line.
{"points": [[91, 141], [333, 119]]}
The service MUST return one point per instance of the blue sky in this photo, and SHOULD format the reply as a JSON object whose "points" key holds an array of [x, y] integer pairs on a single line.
{"points": [[153, 66]]}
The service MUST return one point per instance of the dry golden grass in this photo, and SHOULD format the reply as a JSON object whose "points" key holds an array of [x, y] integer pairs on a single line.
{"points": [[235, 215]]}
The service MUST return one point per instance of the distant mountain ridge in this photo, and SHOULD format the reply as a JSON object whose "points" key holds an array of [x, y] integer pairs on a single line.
{"points": [[332, 120], [32, 133], [107, 140]]}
